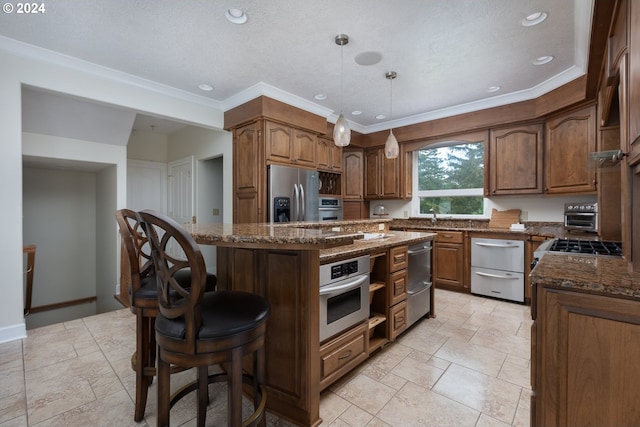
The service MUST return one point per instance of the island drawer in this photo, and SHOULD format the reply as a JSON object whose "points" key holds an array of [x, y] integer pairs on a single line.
{"points": [[398, 258], [343, 353]]}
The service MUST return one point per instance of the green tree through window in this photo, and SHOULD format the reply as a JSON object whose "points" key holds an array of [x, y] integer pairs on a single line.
{"points": [[451, 179]]}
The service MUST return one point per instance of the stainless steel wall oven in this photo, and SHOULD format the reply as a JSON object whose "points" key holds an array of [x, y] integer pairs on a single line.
{"points": [[344, 295]]}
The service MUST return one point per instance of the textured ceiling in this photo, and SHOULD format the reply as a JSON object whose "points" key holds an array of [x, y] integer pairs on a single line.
{"points": [[446, 53]]}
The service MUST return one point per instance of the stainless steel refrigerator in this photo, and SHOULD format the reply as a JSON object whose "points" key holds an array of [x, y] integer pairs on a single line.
{"points": [[293, 194]]}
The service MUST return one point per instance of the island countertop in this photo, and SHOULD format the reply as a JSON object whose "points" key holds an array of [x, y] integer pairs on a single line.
{"points": [[607, 276], [267, 235]]}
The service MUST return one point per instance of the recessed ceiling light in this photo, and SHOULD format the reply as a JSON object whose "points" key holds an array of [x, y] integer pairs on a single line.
{"points": [[205, 87], [368, 58], [236, 16], [320, 97], [381, 117], [534, 19], [541, 60], [356, 112], [494, 88]]}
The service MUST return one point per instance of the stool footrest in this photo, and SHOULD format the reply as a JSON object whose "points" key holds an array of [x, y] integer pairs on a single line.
{"points": [[220, 377]]}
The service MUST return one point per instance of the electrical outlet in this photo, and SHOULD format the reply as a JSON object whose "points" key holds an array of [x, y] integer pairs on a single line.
{"points": [[380, 227], [215, 212], [335, 229], [406, 214], [524, 215]]}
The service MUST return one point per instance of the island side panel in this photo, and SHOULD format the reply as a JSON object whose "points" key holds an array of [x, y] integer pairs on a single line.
{"points": [[289, 280]]}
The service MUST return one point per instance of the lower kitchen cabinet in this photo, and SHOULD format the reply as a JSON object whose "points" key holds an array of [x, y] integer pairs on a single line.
{"points": [[340, 355], [584, 356], [398, 316], [449, 261]]}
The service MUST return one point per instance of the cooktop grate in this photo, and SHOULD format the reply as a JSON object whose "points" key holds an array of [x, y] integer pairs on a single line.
{"points": [[594, 247]]}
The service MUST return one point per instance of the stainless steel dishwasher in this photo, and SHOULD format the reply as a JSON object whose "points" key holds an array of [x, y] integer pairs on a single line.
{"points": [[497, 268], [419, 282]]}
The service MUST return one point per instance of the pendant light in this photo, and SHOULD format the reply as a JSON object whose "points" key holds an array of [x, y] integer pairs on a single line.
{"points": [[391, 148], [341, 130]]}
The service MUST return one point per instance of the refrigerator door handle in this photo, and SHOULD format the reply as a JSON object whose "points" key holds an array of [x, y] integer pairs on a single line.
{"points": [[296, 204], [303, 203]]}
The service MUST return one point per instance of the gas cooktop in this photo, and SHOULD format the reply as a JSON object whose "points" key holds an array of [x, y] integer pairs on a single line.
{"points": [[588, 247]]}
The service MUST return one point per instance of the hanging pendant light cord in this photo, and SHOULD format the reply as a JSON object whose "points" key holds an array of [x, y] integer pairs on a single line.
{"points": [[341, 77]]}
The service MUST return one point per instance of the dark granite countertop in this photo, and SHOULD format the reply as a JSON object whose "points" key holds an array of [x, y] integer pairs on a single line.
{"points": [[262, 235], [600, 275]]}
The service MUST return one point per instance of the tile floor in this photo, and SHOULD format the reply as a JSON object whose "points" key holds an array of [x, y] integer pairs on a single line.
{"points": [[467, 367]]}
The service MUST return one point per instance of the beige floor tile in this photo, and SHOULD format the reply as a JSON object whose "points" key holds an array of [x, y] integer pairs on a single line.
{"points": [[506, 343], [515, 374], [366, 393], [20, 421], [331, 406], [417, 406], [487, 421], [110, 410], [54, 389], [12, 407], [355, 416], [418, 372], [476, 357], [489, 395], [85, 376]]}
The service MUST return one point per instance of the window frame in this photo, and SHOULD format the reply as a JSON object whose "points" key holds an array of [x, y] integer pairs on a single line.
{"points": [[417, 194]]}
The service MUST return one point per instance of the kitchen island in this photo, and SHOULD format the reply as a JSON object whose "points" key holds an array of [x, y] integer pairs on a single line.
{"points": [[585, 341], [282, 263]]}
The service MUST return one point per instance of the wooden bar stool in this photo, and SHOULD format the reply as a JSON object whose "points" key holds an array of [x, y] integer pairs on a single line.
{"points": [[201, 329], [143, 302]]}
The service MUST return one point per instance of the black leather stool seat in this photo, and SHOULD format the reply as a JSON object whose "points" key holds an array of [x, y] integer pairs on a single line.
{"points": [[149, 288], [223, 313]]}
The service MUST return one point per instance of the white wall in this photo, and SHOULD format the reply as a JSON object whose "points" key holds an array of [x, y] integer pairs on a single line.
{"points": [[212, 151], [60, 219], [48, 71]]}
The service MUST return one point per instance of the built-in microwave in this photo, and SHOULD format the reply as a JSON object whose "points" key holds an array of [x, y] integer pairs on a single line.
{"points": [[581, 216]]}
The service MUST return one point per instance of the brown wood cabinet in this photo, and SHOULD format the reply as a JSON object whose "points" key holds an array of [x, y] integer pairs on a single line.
{"points": [[340, 355], [516, 160], [381, 175], [353, 174], [328, 155], [449, 264], [249, 174], [584, 353], [388, 306], [570, 139], [288, 145], [609, 188]]}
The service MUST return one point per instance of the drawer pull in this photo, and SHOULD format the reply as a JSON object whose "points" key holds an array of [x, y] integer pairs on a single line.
{"points": [[346, 355]]}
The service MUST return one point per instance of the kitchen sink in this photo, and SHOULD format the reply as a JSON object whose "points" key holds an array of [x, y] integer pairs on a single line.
{"points": [[372, 236]]}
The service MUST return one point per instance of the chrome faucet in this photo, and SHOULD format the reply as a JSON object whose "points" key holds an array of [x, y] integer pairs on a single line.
{"points": [[434, 220]]}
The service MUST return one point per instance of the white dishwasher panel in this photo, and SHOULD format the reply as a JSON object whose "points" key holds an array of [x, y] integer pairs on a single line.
{"points": [[506, 255], [497, 283]]}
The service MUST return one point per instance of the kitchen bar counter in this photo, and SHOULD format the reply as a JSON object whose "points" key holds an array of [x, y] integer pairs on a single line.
{"points": [[267, 235], [282, 263]]}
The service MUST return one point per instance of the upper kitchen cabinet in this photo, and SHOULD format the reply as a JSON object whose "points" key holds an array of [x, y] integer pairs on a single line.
{"points": [[288, 145], [515, 160], [387, 178], [633, 103], [329, 155], [381, 175], [248, 179], [353, 174], [570, 138], [267, 131]]}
